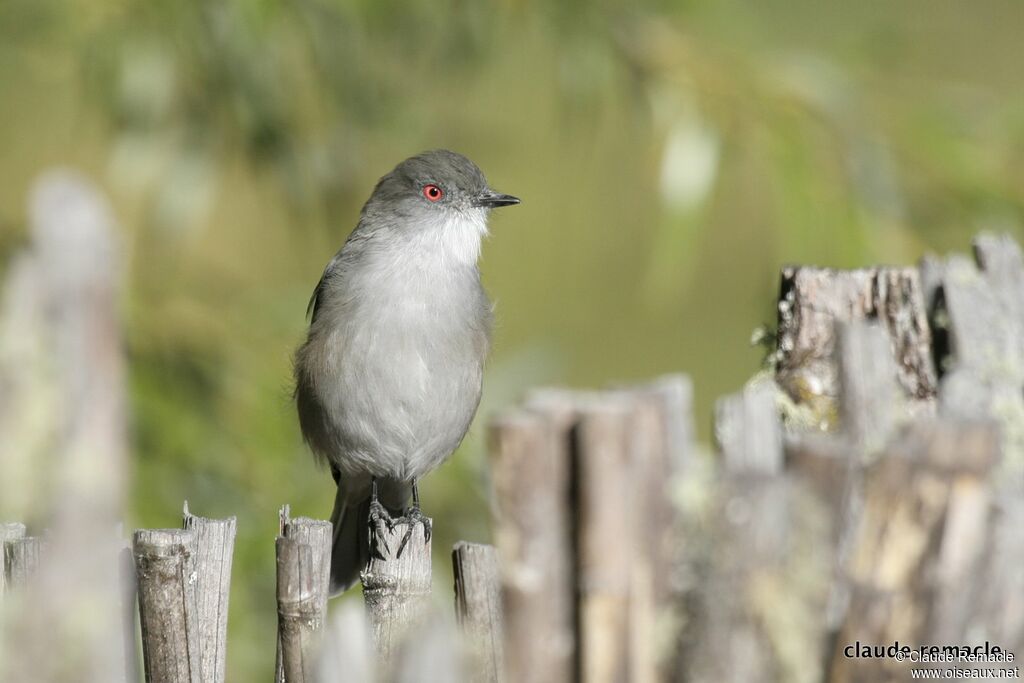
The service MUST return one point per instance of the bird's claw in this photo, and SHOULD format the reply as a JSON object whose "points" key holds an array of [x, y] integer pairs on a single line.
{"points": [[412, 517], [382, 522], [379, 515]]}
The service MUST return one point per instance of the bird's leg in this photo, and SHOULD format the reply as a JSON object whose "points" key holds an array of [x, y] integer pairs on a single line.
{"points": [[414, 516], [379, 516], [378, 513]]}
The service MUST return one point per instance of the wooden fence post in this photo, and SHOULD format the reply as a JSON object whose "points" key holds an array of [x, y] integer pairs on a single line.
{"points": [[983, 341], [997, 614], [921, 535], [606, 527], [318, 534], [673, 396], [870, 408], [984, 318], [478, 607], [129, 611], [396, 587], [532, 538], [748, 533], [758, 555], [869, 395], [984, 305], [299, 614], [548, 471], [9, 531], [346, 653], [312, 592], [1000, 259], [165, 570], [22, 559], [62, 309], [213, 545], [659, 444], [748, 432], [430, 655], [812, 300]]}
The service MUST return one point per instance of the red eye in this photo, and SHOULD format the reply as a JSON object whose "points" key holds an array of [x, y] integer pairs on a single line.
{"points": [[433, 192]]}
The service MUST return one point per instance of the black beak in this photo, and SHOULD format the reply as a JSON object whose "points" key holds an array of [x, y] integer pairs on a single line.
{"points": [[492, 200]]}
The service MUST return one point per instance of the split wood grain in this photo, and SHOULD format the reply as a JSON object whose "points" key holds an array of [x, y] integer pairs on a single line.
{"points": [[396, 586], [165, 572], [478, 607], [213, 547]]}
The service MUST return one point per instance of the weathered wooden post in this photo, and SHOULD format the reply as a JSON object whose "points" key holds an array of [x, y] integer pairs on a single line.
{"points": [[22, 559], [298, 612], [604, 512], [478, 607], [430, 655], [748, 529], [303, 584], [1000, 259], [666, 437], [550, 473], [346, 653], [598, 465], [812, 300], [748, 432], [396, 585], [61, 309], [757, 555], [9, 531], [921, 536], [532, 538], [997, 607], [165, 570], [869, 405], [213, 545], [983, 317], [660, 439], [129, 612]]}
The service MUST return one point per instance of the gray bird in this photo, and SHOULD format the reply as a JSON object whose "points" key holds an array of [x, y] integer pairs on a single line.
{"points": [[389, 377]]}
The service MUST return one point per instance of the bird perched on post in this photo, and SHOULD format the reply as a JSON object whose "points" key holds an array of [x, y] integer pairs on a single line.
{"points": [[389, 377]]}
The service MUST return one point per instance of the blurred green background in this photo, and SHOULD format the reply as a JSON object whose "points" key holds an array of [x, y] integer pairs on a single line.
{"points": [[671, 157]]}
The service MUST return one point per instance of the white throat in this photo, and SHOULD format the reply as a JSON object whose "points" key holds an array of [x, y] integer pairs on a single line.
{"points": [[456, 235]]}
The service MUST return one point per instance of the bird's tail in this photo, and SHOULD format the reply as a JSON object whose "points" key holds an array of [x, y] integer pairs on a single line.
{"points": [[351, 539]]}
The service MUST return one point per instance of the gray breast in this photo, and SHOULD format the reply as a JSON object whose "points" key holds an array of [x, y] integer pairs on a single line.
{"points": [[390, 376]]}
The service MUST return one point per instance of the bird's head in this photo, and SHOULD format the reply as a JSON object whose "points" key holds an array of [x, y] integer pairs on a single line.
{"points": [[437, 198], [435, 184]]}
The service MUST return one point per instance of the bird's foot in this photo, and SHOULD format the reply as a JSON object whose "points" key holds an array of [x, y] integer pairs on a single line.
{"points": [[379, 515], [412, 517], [381, 522]]}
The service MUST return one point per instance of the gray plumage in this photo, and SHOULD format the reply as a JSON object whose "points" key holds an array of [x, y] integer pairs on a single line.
{"points": [[389, 377]]}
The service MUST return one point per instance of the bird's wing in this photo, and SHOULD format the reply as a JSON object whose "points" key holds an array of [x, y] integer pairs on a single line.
{"points": [[315, 299]]}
